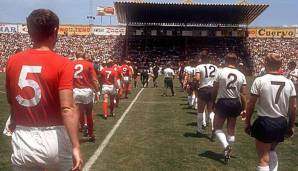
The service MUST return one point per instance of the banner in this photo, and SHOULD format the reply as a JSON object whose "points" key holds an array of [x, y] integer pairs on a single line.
{"points": [[74, 30], [276, 32], [105, 31], [22, 28], [8, 28], [104, 11], [252, 32]]}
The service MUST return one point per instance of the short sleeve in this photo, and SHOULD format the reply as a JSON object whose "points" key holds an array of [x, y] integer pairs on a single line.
{"points": [[66, 76], [255, 88], [197, 69]]}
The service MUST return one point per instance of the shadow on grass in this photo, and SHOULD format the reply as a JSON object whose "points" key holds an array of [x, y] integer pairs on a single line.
{"points": [[194, 135], [183, 104], [192, 124], [214, 156], [296, 124], [192, 113]]}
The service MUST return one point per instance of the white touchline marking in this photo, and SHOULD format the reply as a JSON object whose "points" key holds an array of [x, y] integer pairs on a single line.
{"points": [[2, 92], [106, 141]]}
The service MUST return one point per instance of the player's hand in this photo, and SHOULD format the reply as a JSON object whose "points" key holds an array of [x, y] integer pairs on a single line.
{"points": [[77, 160], [248, 129], [243, 115], [290, 133]]}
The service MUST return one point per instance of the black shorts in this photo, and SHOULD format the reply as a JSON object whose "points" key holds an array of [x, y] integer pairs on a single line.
{"points": [[205, 94], [269, 130], [228, 107]]}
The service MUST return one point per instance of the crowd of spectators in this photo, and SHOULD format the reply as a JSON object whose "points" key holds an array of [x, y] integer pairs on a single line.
{"points": [[97, 47], [146, 52], [259, 47]]}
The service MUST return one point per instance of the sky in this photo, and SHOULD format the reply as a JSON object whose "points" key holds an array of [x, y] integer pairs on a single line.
{"points": [[279, 13]]}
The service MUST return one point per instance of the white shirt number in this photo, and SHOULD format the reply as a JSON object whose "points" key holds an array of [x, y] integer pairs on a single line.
{"points": [[24, 82], [79, 68]]}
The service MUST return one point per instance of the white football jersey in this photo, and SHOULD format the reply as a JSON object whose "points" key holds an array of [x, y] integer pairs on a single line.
{"points": [[169, 73], [190, 71], [207, 73], [293, 76], [230, 82], [274, 93]]}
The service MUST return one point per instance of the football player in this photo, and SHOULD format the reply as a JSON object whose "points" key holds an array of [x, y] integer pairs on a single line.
{"points": [[109, 86], [85, 86], [168, 79], [275, 97], [230, 92], [188, 83], [205, 75], [293, 73], [39, 86], [126, 75]]}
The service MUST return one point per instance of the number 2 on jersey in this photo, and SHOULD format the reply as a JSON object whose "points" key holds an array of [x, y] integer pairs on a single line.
{"points": [[79, 68], [230, 84], [281, 87]]}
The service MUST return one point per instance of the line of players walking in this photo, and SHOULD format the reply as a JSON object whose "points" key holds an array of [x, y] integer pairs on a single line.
{"points": [[111, 81], [219, 94]]}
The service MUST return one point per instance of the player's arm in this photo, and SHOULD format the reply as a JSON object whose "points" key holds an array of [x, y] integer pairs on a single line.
{"points": [[249, 111], [94, 79], [243, 94], [215, 90], [71, 121], [292, 115]]}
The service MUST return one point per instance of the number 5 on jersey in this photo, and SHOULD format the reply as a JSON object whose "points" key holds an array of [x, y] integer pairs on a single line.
{"points": [[24, 82]]}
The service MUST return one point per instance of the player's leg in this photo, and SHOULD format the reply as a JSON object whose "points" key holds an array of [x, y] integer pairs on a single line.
{"points": [[231, 124], [165, 86], [263, 150], [105, 105], [112, 97], [126, 85], [89, 115], [171, 87], [210, 114], [201, 108]]}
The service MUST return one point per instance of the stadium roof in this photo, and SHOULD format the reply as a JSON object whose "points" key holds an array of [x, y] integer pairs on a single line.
{"points": [[193, 14]]}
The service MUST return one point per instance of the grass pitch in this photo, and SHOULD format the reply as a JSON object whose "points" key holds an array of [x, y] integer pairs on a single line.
{"points": [[159, 134]]}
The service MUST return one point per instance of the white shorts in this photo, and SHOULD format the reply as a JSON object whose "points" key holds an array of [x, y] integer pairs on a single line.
{"points": [[35, 148], [83, 95], [126, 79], [108, 89]]}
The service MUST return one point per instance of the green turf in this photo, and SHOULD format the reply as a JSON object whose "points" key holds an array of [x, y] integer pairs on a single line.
{"points": [[159, 134]]}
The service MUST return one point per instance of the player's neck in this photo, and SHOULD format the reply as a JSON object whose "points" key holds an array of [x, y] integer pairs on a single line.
{"points": [[231, 66], [44, 46]]}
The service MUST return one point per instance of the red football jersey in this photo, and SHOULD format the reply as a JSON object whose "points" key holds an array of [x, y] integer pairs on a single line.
{"points": [[84, 74], [125, 70], [33, 81], [115, 68], [108, 76]]}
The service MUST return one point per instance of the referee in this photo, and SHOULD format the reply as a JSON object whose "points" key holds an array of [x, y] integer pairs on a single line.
{"points": [[168, 80]]}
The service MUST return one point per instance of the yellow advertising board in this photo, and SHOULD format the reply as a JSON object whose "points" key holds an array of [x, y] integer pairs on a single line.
{"points": [[276, 32], [74, 30]]}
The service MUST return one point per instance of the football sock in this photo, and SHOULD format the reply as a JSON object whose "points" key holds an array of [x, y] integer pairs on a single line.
{"points": [[82, 120], [263, 168], [105, 108], [231, 139], [204, 118], [199, 121], [189, 100], [222, 138], [193, 97], [211, 116], [112, 106], [196, 103], [273, 161], [90, 124]]}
